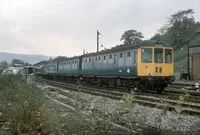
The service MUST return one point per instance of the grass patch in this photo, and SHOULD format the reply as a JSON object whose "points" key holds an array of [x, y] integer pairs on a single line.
{"points": [[22, 108], [25, 110]]}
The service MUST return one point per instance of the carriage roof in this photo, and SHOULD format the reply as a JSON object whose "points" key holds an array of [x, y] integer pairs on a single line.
{"points": [[126, 47], [115, 49]]}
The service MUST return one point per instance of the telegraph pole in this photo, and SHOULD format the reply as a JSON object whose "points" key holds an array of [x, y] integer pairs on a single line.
{"points": [[98, 40]]}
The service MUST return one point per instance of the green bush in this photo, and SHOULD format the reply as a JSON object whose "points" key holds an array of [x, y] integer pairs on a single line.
{"points": [[22, 108]]}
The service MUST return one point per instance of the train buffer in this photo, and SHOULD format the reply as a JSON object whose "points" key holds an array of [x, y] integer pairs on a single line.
{"points": [[188, 85]]}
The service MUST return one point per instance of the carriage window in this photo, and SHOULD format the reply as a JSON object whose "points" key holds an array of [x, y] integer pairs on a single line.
{"points": [[96, 58], [134, 57], [104, 57], [129, 54], [85, 60], [158, 55], [99, 58], [89, 59], [110, 56], [147, 55], [121, 55], [168, 55]]}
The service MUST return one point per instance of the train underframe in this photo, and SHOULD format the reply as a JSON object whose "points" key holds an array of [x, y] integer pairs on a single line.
{"points": [[143, 84]]}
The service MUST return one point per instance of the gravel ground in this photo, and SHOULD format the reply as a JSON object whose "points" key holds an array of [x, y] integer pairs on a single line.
{"points": [[60, 108], [147, 115], [153, 117]]}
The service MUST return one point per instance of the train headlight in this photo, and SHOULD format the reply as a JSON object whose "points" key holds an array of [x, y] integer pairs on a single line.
{"points": [[197, 85], [148, 73]]}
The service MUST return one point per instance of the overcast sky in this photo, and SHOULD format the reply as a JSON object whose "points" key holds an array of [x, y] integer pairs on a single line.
{"points": [[66, 27]]}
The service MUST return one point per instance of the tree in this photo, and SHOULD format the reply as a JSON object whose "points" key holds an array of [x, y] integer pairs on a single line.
{"points": [[131, 37], [17, 61], [181, 29], [157, 37], [4, 64], [181, 15]]}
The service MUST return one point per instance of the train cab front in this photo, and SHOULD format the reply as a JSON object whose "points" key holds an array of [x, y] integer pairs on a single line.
{"points": [[156, 64]]}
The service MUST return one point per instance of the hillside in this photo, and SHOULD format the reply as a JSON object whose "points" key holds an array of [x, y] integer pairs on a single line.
{"points": [[25, 57]]}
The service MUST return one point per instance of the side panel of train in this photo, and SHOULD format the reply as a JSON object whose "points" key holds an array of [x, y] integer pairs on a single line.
{"points": [[69, 67], [52, 68], [120, 64]]}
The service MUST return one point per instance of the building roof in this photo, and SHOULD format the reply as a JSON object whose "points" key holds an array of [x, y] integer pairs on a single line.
{"points": [[41, 63], [193, 46]]}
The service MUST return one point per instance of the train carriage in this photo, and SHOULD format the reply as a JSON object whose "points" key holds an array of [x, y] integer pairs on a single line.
{"points": [[148, 65], [144, 66], [52, 67], [69, 66], [111, 63]]}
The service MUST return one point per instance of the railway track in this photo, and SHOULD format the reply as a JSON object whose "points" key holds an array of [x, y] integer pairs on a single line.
{"points": [[117, 125], [167, 100]]}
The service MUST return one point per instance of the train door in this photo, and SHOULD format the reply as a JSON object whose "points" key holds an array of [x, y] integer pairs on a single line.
{"points": [[115, 60], [93, 66], [158, 60], [57, 64], [134, 57], [80, 64]]}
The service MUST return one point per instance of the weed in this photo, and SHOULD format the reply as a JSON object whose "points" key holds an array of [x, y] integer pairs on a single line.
{"points": [[23, 107]]}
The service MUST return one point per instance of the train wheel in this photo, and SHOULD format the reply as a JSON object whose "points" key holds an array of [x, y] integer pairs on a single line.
{"points": [[151, 85], [144, 86], [136, 85]]}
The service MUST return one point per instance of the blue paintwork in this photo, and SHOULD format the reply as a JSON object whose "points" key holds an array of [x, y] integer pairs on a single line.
{"points": [[119, 64], [107, 66], [111, 72], [68, 67]]}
